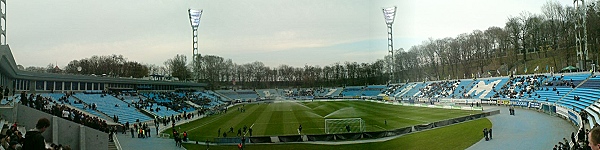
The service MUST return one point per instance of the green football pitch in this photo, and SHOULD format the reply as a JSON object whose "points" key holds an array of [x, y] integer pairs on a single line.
{"points": [[283, 118], [453, 137]]}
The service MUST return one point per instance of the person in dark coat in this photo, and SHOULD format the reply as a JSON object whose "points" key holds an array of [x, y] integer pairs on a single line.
{"points": [[485, 134], [490, 133], [24, 99], [33, 138], [6, 91]]}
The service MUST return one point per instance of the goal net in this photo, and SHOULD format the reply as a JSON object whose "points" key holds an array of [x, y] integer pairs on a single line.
{"points": [[346, 125]]}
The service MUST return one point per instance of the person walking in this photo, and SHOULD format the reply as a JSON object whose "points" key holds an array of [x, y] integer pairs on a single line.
{"points": [[490, 133], [131, 130], [485, 134], [185, 136]]}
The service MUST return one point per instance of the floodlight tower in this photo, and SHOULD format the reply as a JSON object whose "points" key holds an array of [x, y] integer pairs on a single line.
{"points": [[389, 15], [581, 43], [195, 22], [2, 22]]}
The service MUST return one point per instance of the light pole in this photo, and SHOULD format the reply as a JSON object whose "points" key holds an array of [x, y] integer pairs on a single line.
{"points": [[389, 15], [195, 22], [3, 22], [581, 43]]}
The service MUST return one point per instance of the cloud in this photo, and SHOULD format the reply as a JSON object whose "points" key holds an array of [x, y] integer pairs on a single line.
{"points": [[298, 32]]}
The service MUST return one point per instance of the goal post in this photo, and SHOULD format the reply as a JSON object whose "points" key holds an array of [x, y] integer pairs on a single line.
{"points": [[344, 125]]}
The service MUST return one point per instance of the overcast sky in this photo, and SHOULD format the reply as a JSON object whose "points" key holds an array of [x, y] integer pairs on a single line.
{"points": [[293, 32]]}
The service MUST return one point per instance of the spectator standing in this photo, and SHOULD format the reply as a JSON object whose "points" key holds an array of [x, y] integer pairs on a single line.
{"points": [[1, 95], [132, 134], [33, 138], [6, 91], [485, 134], [24, 99], [490, 133], [594, 138]]}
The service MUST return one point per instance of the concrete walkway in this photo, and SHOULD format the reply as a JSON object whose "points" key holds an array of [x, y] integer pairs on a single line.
{"points": [[128, 143], [154, 142], [526, 130]]}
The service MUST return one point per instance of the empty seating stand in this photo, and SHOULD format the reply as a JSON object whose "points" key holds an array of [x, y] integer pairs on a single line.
{"points": [[106, 104]]}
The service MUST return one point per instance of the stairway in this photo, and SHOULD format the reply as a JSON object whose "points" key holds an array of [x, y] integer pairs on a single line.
{"points": [[112, 146]]}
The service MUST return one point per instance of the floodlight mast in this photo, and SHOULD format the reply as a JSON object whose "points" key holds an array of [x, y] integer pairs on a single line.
{"points": [[195, 22], [2, 22], [581, 43], [389, 15]]}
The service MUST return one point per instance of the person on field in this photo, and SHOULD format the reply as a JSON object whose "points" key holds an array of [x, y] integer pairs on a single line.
{"points": [[250, 131], [348, 128], [300, 129], [184, 136], [243, 142]]}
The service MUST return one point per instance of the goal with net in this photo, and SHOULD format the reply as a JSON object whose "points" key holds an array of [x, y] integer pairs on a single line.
{"points": [[345, 125]]}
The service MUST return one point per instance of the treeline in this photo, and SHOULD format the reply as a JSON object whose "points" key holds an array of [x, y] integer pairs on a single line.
{"points": [[110, 65], [523, 38], [224, 72]]}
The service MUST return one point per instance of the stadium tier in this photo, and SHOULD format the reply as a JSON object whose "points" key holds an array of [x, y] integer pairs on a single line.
{"points": [[112, 106], [352, 91], [558, 89], [373, 90], [415, 90], [268, 93], [334, 92], [322, 92], [239, 94], [156, 97]]}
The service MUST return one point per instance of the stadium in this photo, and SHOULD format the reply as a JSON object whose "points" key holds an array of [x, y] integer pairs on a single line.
{"points": [[356, 117], [360, 106]]}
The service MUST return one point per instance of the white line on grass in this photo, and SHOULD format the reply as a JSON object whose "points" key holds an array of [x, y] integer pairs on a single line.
{"points": [[379, 127], [412, 119], [250, 127], [286, 123], [209, 122]]}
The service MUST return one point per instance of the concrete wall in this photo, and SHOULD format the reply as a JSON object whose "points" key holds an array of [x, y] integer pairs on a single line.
{"points": [[28, 117], [6, 112], [61, 131], [68, 132], [95, 139]]}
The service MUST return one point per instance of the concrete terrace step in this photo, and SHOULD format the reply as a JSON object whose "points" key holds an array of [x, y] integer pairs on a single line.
{"points": [[112, 146]]}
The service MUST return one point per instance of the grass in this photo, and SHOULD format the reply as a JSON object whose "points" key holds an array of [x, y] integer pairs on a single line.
{"points": [[285, 117], [458, 136]]}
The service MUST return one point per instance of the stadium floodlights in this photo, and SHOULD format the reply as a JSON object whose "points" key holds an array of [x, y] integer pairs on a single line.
{"points": [[389, 14], [345, 125], [195, 17]]}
